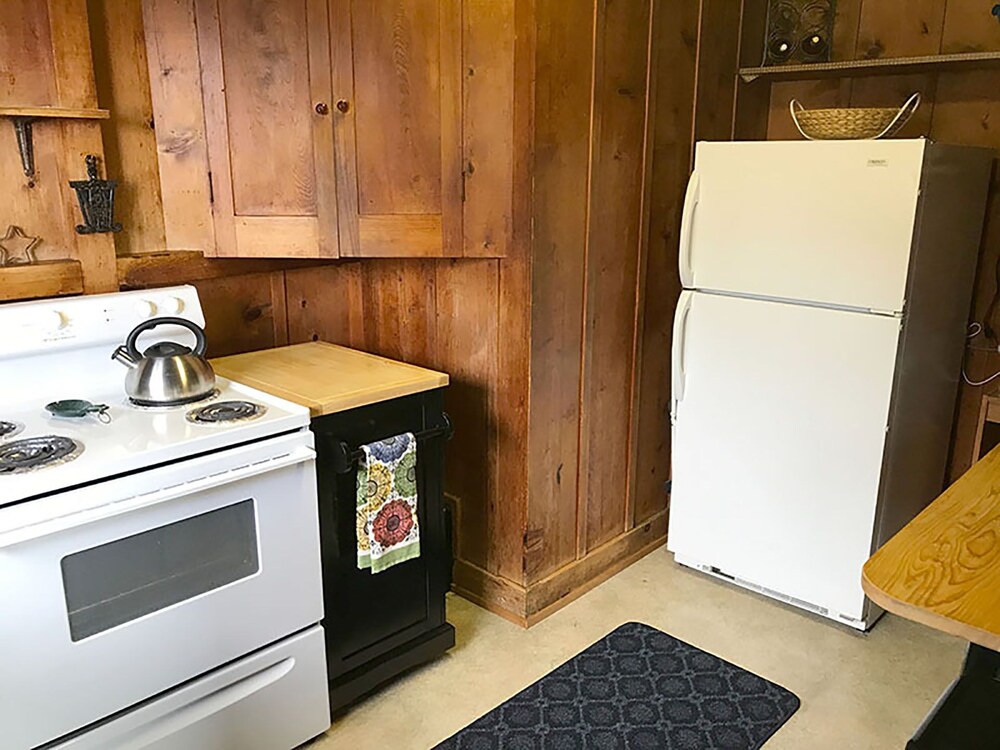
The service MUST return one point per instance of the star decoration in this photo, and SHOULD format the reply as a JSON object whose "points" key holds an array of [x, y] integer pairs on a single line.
{"points": [[17, 248]]}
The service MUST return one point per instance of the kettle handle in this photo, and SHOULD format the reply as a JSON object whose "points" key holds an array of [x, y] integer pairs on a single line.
{"points": [[197, 330]]}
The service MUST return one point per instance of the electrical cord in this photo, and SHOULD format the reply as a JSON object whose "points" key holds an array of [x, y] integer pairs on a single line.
{"points": [[974, 330]]}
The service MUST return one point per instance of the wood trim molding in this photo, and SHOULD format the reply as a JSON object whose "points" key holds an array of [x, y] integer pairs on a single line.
{"points": [[527, 606], [576, 579], [493, 593]]}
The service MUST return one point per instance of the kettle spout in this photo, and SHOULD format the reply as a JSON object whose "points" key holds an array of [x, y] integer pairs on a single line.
{"points": [[122, 356]]}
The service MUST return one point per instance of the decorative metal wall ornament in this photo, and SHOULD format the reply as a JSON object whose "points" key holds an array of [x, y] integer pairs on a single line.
{"points": [[97, 201], [17, 248], [799, 31]]}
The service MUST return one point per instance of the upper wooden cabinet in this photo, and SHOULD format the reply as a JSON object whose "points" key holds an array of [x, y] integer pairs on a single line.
{"points": [[397, 76], [333, 128]]}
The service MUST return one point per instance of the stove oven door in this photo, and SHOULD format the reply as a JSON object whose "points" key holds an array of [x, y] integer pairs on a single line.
{"points": [[116, 592]]}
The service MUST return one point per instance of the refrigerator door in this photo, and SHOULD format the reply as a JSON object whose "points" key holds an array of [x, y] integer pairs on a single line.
{"points": [[821, 222], [778, 442]]}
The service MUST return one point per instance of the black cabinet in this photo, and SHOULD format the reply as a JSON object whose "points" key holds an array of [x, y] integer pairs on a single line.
{"points": [[380, 625]]}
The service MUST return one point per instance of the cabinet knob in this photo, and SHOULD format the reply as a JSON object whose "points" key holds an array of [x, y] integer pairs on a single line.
{"points": [[322, 108], [344, 106]]}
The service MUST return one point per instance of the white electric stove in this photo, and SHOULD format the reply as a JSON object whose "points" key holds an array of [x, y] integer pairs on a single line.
{"points": [[159, 566]]}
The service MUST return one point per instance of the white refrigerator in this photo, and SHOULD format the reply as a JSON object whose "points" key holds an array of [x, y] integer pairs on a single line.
{"points": [[817, 348]]}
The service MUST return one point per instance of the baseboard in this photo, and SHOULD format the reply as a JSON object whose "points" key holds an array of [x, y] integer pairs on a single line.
{"points": [[569, 583], [493, 593], [527, 606]]}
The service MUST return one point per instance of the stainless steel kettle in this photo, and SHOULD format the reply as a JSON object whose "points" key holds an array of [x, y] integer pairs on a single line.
{"points": [[167, 373]]}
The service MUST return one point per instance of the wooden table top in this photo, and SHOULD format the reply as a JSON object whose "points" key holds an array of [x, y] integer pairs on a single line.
{"points": [[943, 568], [327, 378]]}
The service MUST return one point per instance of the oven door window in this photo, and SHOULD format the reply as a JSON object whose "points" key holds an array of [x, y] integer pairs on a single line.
{"points": [[120, 581]]}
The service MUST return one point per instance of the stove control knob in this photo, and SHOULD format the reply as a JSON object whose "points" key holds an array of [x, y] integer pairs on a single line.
{"points": [[55, 320], [145, 309], [172, 305]]}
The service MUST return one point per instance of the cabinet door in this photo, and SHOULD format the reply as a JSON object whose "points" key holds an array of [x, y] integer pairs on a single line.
{"points": [[266, 89], [397, 80]]}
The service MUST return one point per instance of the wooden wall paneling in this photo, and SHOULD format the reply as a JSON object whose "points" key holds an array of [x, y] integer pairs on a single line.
{"points": [[715, 69], [28, 75], [970, 27], [400, 309], [967, 111], [96, 252], [467, 335], [72, 59], [613, 246], [845, 30], [751, 103], [752, 111], [122, 75], [676, 25], [45, 51], [182, 147], [513, 438], [892, 29], [561, 170], [488, 126], [244, 313], [652, 82], [326, 304]]}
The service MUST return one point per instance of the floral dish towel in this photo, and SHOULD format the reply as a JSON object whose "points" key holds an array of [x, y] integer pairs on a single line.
{"points": [[388, 531]]}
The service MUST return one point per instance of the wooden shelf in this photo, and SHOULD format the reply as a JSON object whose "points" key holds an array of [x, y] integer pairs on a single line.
{"points": [[66, 113], [185, 266], [44, 279], [880, 66]]}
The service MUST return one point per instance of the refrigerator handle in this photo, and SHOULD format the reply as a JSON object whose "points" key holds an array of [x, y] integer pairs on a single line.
{"points": [[691, 199], [677, 356]]}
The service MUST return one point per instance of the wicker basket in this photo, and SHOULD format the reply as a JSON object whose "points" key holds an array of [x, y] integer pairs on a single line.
{"points": [[852, 124]]}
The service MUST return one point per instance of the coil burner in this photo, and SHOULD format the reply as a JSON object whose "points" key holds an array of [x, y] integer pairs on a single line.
{"points": [[29, 454], [225, 412], [7, 429]]}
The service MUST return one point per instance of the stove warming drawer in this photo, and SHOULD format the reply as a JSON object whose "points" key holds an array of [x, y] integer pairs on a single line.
{"points": [[275, 698]]}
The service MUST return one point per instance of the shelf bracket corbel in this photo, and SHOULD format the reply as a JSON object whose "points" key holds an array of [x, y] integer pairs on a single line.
{"points": [[25, 145]]}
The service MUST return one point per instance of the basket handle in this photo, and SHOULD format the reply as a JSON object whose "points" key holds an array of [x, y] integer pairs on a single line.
{"points": [[903, 116], [795, 106]]}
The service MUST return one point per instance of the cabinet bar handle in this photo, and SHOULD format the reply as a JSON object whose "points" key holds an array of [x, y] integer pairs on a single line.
{"points": [[345, 457]]}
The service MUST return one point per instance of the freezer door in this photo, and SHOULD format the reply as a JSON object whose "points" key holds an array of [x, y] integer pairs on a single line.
{"points": [[824, 222], [778, 441]]}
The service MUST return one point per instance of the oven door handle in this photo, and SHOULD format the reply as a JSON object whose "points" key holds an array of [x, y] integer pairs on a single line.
{"points": [[56, 525]]}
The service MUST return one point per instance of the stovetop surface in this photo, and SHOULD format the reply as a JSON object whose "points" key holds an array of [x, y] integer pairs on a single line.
{"points": [[135, 438]]}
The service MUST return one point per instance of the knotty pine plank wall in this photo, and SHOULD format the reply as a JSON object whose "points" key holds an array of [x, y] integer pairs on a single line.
{"points": [[958, 107], [45, 60], [549, 506], [559, 353]]}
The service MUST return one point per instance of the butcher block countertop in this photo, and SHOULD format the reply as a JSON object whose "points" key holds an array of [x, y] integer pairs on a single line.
{"points": [[327, 378], [943, 568]]}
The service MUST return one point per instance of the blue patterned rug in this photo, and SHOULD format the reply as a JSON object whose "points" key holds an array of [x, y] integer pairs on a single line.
{"points": [[636, 689]]}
